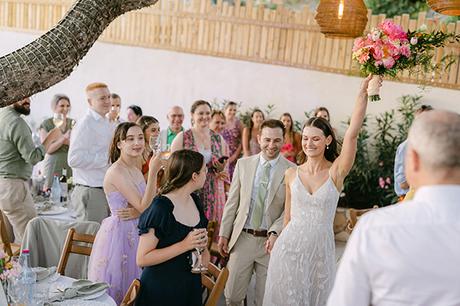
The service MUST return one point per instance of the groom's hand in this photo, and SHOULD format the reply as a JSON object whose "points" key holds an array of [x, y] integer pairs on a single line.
{"points": [[270, 243], [222, 244]]}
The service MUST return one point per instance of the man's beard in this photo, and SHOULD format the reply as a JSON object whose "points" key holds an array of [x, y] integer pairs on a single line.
{"points": [[21, 109]]}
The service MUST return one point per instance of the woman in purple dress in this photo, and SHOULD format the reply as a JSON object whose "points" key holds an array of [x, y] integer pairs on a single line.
{"points": [[232, 135], [113, 258]]}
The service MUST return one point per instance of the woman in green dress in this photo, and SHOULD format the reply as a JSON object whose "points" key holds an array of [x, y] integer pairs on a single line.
{"points": [[56, 155]]}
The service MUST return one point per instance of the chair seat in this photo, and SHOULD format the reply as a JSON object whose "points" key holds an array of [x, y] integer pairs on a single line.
{"points": [[15, 248]]}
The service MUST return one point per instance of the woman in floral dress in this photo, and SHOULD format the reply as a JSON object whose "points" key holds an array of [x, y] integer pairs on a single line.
{"points": [[201, 138], [232, 135]]}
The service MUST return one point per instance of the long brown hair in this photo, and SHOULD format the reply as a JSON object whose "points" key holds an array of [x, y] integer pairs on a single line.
{"points": [[119, 135], [181, 166], [291, 128], [144, 122], [331, 152], [251, 123]]}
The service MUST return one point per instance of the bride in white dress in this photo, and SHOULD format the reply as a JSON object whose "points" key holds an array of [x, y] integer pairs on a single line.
{"points": [[302, 262]]}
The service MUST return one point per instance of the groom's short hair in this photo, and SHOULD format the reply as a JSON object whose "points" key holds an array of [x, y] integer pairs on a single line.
{"points": [[273, 124]]}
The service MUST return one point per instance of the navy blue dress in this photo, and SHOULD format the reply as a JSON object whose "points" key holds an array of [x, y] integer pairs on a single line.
{"points": [[170, 283]]}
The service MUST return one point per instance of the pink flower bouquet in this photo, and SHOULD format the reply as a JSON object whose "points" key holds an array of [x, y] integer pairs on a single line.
{"points": [[388, 49]]}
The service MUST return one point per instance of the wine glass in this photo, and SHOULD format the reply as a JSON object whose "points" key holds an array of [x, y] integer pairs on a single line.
{"points": [[58, 120], [197, 259], [166, 152], [72, 123], [16, 292], [155, 144]]}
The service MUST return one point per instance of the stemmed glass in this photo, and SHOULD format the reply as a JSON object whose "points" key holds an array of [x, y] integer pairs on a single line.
{"points": [[155, 144], [166, 152], [197, 258], [58, 120]]}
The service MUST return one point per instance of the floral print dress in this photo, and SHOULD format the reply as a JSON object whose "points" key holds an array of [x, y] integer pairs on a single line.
{"points": [[213, 193], [232, 136]]}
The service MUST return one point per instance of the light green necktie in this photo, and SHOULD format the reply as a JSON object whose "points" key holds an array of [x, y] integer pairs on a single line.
{"points": [[259, 203]]}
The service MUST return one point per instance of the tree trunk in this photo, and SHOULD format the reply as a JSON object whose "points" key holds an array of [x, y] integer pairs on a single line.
{"points": [[51, 58]]}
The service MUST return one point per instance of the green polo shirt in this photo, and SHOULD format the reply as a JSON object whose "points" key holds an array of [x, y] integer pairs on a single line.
{"points": [[171, 135], [17, 151]]}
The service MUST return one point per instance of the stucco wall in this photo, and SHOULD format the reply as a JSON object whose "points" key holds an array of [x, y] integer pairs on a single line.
{"points": [[157, 79]]}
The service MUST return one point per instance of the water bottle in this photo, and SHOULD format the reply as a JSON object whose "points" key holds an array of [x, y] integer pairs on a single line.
{"points": [[64, 189], [56, 190], [27, 278]]}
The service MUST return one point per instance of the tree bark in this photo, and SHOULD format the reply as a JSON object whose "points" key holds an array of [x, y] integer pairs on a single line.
{"points": [[52, 57]]}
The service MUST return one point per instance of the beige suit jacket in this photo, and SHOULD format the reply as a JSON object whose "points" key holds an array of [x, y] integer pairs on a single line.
{"points": [[236, 209]]}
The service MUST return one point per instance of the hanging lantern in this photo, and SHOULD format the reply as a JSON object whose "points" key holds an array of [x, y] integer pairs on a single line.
{"points": [[445, 7], [341, 18]]}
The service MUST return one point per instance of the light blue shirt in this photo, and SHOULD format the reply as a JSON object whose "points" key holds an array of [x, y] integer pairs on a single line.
{"points": [[399, 175], [255, 189]]}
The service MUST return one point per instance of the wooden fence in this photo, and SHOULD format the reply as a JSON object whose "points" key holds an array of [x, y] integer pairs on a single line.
{"points": [[246, 32]]}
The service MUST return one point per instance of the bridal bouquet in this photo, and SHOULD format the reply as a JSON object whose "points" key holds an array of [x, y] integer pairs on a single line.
{"points": [[388, 49]]}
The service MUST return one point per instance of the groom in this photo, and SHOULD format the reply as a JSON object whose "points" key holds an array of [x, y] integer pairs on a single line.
{"points": [[253, 214]]}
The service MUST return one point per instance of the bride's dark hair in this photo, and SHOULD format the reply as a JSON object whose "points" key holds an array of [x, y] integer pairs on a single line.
{"points": [[181, 166], [331, 152]]}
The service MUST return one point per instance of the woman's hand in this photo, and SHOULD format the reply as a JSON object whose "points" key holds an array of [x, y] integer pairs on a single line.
{"points": [[128, 213], [223, 176], [66, 138], [156, 163], [365, 84], [197, 239], [219, 166]]}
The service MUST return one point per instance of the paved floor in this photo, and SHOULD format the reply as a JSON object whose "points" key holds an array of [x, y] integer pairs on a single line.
{"points": [[339, 248]]}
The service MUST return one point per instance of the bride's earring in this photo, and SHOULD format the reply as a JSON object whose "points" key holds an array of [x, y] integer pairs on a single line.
{"points": [[327, 147]]}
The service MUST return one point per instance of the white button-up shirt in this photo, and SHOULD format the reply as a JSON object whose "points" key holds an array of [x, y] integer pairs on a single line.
{"points": [[406, 254], [89, 149], [255, 189]]}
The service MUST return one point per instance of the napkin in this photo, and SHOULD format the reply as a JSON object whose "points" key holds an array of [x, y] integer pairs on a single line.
{"points": [[79, 288]]}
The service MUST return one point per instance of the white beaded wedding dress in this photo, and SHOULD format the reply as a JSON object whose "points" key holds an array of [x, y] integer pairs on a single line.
{"points": [[301, 270]]}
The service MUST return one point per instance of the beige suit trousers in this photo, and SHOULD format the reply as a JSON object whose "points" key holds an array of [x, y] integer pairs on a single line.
{"points": [[247, 256], [90, 204], [17, 204]]}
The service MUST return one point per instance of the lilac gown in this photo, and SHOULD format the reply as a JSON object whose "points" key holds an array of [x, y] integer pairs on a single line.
{"points": [[113, 258]]}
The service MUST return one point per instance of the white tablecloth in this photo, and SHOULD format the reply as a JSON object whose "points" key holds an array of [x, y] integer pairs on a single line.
{"points": [[63, 282]]}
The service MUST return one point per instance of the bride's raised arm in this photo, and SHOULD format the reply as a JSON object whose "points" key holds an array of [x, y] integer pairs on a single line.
{"points": [[343, 164]]}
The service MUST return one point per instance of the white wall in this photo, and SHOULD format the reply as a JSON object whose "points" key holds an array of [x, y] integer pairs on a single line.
{"points": [[157, 79]]}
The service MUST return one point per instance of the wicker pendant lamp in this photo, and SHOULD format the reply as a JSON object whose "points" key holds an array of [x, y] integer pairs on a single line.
{"points": [[341, 18], [445, 7]]}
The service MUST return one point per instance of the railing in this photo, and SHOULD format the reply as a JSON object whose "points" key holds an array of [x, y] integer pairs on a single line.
{"points": [[244, 32]]}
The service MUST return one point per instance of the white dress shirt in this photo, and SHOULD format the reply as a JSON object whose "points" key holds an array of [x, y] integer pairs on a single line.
{"points": [[89, 149], [255, 189], [406, 254]]}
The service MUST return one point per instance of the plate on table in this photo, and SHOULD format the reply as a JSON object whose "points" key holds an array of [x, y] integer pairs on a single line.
{"points": [[54, 210]]}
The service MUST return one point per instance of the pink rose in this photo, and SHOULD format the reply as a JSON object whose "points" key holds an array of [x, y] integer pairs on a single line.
{"points": [[381, 182], [413, 40], [405, 50], [388, 62]]}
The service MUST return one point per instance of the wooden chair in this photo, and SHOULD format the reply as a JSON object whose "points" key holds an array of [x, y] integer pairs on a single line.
{"points": [[212, 245], [354, 216], [77, 244], [214, 281], [131, 294], [9, 248]]}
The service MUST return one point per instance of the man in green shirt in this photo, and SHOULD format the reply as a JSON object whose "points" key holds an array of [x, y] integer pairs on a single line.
{"points": [[18, 154], [176, 119]]}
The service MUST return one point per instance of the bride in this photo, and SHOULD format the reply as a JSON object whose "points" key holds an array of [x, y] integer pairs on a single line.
{"points": [[302, 262]]}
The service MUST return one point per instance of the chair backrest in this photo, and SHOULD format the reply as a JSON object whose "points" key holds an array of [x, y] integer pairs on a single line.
{"points": [[354, 216], [214, 281], [4, 235], [131, 294], [212, 226], [77, 244]]}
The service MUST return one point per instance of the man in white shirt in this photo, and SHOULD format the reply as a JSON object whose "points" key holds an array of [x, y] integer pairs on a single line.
{"points": [[89, 155], [409, 253]]}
